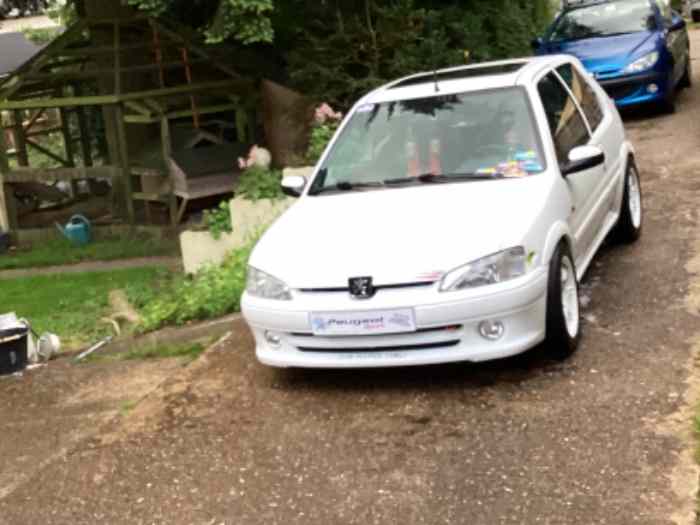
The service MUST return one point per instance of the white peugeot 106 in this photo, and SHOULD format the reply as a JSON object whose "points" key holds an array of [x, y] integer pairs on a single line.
{"points": [[450, 219]]}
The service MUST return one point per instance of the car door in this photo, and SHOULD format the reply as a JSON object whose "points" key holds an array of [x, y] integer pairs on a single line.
{"points": [[605, 133], [568, 129]]}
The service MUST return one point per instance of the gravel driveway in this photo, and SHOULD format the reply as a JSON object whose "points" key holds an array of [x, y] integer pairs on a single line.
{"points": [[604, 438]]}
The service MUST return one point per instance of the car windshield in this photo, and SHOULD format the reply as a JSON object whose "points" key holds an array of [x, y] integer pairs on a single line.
{"points": [[442, 138], [608, 19]]}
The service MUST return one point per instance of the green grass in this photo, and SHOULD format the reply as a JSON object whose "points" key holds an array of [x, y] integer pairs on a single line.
{"points": [[188, 352], [61, 251], [127, 406], [71, 305]]}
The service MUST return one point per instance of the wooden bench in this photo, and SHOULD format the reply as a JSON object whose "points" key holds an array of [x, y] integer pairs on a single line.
{"points": [[192, 174]]}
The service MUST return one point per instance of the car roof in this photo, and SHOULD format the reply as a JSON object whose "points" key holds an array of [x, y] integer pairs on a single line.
{"points": [[477, 77]]}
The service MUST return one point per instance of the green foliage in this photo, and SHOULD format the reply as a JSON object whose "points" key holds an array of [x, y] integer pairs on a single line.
{"points": [[187, 351], [246, 21], [258, 183], [218, 220], [338, 54], [41, 36], [321, 135], [215, 291]]}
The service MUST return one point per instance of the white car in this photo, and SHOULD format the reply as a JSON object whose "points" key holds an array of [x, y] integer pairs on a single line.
{"points": [[450, 219]]}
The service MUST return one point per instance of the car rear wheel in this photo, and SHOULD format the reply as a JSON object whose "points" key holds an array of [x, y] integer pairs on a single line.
{"points": [[563, 310], [696, 16], [629, 225]]}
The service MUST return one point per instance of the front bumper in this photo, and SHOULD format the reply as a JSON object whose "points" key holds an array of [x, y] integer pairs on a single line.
{"points": [[448, 326], [630, 90]]}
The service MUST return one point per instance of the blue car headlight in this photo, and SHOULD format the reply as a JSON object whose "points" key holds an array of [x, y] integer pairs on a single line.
{"points": [[642, 64]]}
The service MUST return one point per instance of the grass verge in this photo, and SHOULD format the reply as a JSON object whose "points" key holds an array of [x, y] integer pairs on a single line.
{"points": [[61, 252], [188, 352], [71, 305]]}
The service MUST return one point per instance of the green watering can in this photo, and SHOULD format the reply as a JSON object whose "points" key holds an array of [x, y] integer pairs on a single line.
{"points": [[77, 231]]}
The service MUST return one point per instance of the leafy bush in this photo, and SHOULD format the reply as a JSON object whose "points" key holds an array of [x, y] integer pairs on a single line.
{"points": [[340, 52], [258, 183], [218, 220], [213, 292]]}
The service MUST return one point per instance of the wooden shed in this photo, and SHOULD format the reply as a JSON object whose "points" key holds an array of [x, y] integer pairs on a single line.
{"points": [[153, 91]]}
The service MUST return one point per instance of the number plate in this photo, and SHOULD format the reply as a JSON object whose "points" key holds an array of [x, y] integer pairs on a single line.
{"points": [[364, 323]]}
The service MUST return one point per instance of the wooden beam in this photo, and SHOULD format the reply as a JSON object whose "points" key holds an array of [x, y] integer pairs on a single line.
{"points": [[67, 174], [167, 152], [124, 162], [20, 140], [47, 152], [4, 189], [138, 107], [103, 100], [196, 49], [106, 100], [117, 59], [207, 110], [37, 115], [43, 132]]}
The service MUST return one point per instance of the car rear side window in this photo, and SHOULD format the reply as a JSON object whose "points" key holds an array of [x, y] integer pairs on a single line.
{"points": [[566, 123], [583, 93]]}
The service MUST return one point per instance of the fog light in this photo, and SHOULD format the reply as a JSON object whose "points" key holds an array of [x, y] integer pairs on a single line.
{"points": [[491, 330], [653, 88], [272, 339]]}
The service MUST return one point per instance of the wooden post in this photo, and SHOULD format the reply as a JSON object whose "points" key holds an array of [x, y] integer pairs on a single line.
{"points": [[167, 151], [68, 146], [20, 140], [124, 161], [5, 190]]}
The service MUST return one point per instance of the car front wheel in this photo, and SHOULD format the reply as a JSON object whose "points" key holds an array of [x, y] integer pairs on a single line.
{"points": [[563, 307], [629, 225]]}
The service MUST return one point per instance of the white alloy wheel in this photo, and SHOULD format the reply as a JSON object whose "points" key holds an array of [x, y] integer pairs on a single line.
{"points": [[634, 197], [569, 296]]}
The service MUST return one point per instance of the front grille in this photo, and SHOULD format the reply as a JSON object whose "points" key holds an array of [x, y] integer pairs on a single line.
{"points": [[426, 346], [620, 91], [341, 289]]}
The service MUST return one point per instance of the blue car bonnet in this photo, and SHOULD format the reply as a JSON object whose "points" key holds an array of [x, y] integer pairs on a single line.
{"points": [[609, 53]]}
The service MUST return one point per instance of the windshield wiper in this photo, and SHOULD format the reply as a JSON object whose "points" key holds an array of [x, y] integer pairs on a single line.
{"points": [[430, 178], [348, 186]]}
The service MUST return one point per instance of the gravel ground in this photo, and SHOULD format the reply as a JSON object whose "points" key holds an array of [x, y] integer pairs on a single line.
{"points": [[603, 438]]}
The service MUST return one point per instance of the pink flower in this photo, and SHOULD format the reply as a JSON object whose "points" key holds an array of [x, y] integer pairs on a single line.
{"points": [[325, 113], [242, 163]]}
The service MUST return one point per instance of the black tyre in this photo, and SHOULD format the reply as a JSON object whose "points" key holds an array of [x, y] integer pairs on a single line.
{"points": [[563, 307], [687, 78], [668, 104], [629, 225], [696, 16]]}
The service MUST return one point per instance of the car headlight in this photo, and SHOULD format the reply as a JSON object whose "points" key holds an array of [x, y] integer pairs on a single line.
{"points": [[265, 286], [642, 64], [496, 268]]}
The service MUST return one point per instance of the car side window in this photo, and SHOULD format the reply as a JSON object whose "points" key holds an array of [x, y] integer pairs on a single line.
{"points": [[566, 123], [583, 93]]}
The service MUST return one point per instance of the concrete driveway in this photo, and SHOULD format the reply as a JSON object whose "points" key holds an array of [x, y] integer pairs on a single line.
{"points": [[604, 438]]}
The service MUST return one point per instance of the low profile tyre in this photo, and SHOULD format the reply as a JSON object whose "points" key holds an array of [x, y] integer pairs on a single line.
{"points": [[563, 307], [629, 225]]}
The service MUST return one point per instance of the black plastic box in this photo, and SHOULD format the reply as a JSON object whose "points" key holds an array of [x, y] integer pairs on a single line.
{"points": [[13, 350]]}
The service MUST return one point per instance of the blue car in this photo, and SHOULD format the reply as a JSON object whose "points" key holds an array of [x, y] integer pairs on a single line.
{"points": [[638, 50]]}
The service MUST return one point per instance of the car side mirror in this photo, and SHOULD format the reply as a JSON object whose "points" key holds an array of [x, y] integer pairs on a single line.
{"points": [[293, 185], [583, 158], [536, 43]]}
